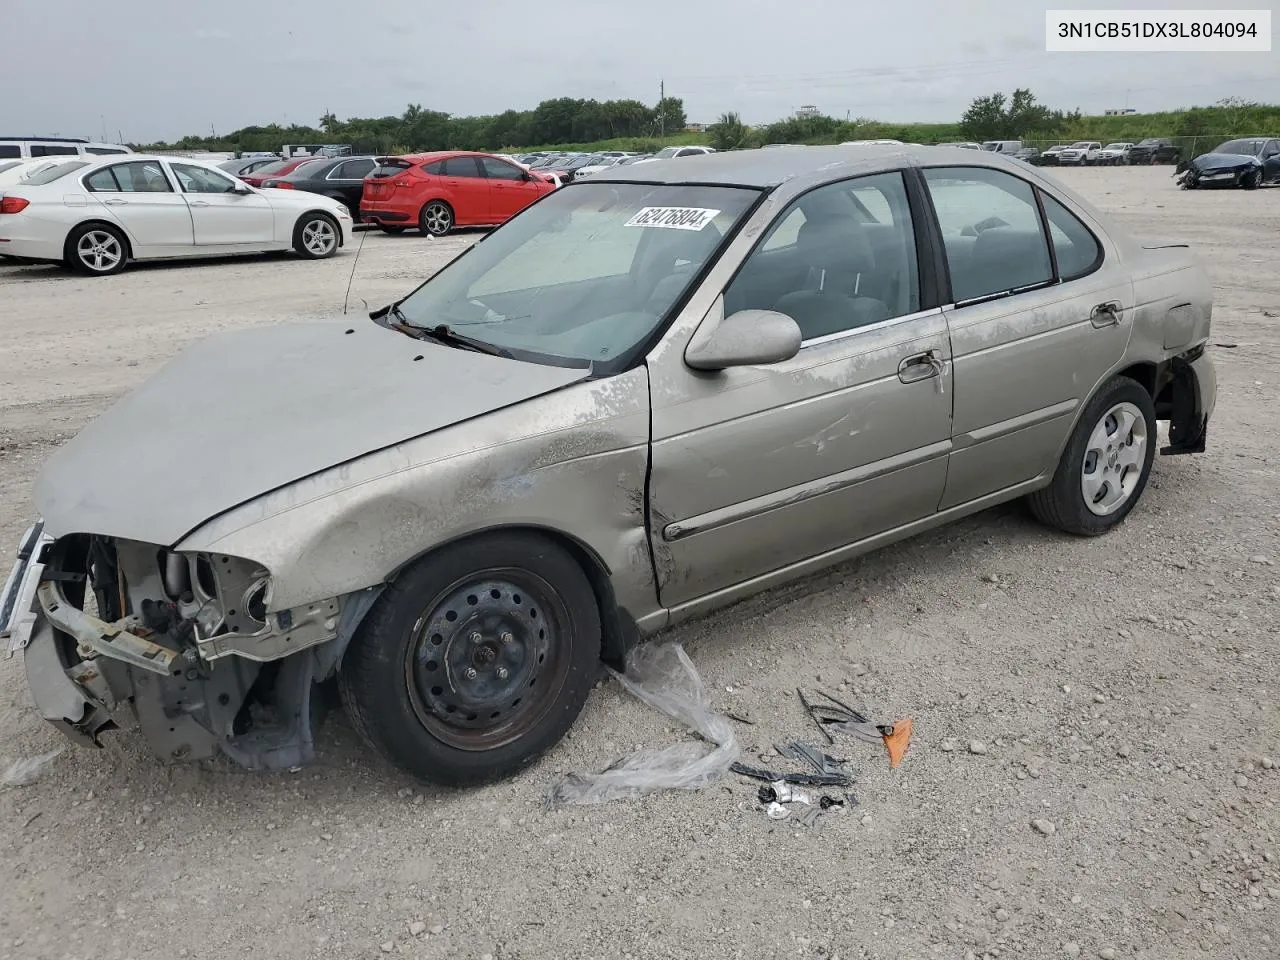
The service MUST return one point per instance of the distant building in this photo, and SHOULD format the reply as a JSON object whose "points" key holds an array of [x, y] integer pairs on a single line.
{"points": [[697, 127], [808, 112], [1119, 111]]}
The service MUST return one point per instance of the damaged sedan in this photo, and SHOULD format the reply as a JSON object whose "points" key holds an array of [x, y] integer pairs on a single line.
{"points": [[1246, 163], [648, 395]]}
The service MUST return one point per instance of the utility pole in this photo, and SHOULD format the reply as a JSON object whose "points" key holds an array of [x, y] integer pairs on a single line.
{"points": [[662, 113]]}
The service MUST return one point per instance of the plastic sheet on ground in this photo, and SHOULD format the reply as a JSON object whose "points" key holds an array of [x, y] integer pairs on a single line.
{"points": [[663, 677], [28, 770]]}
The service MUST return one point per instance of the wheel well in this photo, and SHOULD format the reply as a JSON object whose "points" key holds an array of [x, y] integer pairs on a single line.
{"points": [[619, 632], [1144, 374], [128, 246]]}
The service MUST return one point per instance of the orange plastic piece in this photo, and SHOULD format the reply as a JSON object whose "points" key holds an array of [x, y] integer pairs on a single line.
{"points": [[896, 740]]}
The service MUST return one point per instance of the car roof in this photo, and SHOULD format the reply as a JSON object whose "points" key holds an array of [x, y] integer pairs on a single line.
{"points": [[763, 168]]}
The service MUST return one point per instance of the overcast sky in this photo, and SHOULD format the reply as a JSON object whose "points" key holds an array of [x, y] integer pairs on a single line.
{"points": [[158, 70]]}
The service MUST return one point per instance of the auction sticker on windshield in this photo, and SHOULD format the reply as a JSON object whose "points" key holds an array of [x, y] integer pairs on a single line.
{"points": [[673, 218]]}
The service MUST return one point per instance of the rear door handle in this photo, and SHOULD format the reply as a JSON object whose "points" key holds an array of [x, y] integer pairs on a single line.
{"points": [[198, 203], [115, 200], [1106, 314]]}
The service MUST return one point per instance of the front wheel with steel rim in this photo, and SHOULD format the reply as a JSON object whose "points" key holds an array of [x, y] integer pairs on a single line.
{"points": [[316, 236], [1106, 464], [97, 249], [476, 660], [436, 218]]}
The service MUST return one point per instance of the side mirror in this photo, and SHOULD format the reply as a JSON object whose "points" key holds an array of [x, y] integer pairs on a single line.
{"points": [[242, 188], [743, 339]]}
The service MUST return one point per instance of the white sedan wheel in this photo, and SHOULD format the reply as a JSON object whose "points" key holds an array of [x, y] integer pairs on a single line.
{"points": [[316, 237], [98, 250]]}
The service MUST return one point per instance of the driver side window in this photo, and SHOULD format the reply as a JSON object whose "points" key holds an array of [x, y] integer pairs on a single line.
{"points": [[840, 257], [200, 180]]}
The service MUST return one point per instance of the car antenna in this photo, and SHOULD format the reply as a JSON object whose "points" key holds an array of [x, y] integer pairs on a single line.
{"points": [[347, 299]]}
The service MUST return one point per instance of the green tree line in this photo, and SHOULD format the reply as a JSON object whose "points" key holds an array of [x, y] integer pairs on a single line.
{"points": [[567, 123]]}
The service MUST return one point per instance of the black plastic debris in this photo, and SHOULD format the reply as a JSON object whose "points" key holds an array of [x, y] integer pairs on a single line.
{"points": [[800, 779]]}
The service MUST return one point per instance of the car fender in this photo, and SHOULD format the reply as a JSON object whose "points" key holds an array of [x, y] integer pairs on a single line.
{"points": [[573, 462]]}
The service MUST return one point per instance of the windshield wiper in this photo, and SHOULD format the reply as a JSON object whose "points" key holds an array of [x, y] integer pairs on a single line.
{"points": [[443, 334]]}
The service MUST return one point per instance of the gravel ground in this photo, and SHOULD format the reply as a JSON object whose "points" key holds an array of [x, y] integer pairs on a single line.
{"points": [[1123, 690]]}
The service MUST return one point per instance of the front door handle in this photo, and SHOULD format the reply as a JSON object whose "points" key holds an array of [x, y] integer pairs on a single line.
{"points": [[198, 203], [921, 366], [115, 200], [1106, 314]]}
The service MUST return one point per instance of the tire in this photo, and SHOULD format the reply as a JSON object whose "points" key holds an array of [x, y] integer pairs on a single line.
{"points": [[436, 218], [391, 231], [1251, 180], [456, 711], [1096, 443], [97, 249], [316, 236]]}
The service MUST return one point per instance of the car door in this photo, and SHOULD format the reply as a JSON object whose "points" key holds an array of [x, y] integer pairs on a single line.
{"points": [[222, 217], [1271, 161], [1035, 325], [758, 470], [140, 195], [509, 190], [346, 182], [468, 191]]}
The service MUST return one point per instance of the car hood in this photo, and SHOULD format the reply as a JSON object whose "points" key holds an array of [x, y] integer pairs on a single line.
{"points": [[240, 414], [1213, 162]]}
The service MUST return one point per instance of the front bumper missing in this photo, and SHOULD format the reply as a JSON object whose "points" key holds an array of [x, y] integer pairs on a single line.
{"points": [[95, 637]]}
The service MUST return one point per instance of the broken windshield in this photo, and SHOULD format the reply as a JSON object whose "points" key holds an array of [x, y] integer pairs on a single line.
{"points": [[585, 275]]}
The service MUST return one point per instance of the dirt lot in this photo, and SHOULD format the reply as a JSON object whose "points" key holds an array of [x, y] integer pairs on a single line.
{"points": [[1124, 689]]}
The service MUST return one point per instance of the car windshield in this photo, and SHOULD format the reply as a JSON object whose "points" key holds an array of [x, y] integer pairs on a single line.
{"points": [[1149, 143], [1116, 146], [274, 167], [586, 274], [52, 172], [666, 153], [1246, 147], [310, 168], [9, 165], [1081, 145]]}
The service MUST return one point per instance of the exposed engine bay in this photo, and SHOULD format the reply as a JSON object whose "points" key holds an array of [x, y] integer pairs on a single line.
{"points": [[189, 640]]}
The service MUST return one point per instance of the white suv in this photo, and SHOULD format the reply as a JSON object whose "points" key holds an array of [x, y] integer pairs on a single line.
{"points": [[24, 148], [1083, 152], [1114, 153]]}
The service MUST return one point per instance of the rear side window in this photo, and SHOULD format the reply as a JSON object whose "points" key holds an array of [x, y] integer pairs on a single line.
{"points": [[1076, 248], [10, 150], [141, 177], [991, 230], [461, 167], [353, 170], [53, 150], [53, 172]]}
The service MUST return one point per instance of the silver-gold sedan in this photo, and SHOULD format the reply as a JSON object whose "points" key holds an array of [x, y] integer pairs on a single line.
{"points": [[646, 396]]}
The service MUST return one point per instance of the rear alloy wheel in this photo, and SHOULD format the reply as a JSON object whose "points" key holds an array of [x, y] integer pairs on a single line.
{"points": [[436, 218], [316, 236], [476, 660], [97, 249], [1105, 467]]}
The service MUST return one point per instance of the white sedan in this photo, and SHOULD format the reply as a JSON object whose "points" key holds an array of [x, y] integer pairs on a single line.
{"points": [[95, 214]]}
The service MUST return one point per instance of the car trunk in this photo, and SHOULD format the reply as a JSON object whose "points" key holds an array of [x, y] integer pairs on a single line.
{"points": [[381, 184]]}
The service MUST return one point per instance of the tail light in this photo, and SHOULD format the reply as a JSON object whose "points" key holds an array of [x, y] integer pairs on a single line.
{"points": [[281, 185], [13, 204]]}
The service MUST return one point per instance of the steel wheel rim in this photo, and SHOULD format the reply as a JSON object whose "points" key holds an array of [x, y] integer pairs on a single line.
{"points": [[1114, 459], [456, 682], [437, 218], [99, 250], [318, 236]]}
